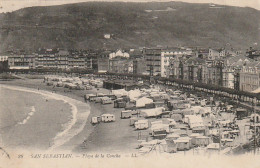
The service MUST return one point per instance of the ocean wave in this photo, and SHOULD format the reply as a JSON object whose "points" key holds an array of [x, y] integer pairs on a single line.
{"points": [[30, 114]]}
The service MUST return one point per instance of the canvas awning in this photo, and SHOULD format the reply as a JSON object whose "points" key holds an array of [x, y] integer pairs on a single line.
{"points": [[151, 112], [143, 101], [256, 91]]}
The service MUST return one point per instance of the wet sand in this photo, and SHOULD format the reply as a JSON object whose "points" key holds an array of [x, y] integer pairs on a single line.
{"points": [[29, 121], [115, 137]]}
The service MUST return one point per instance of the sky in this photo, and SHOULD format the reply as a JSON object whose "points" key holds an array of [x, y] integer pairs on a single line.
{"points": [[11, 5]]}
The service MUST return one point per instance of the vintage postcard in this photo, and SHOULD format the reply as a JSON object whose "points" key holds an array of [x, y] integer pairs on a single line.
{"points": [[129, 83]]}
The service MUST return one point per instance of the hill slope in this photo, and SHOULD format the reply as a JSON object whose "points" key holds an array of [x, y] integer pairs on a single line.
{"points": [[83, 26]]}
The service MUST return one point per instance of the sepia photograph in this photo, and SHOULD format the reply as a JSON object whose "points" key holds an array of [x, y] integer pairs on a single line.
{"points": [[129, 83]]}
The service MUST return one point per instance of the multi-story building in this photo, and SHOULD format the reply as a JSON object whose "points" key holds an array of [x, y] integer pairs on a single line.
{"points": [[21, 61], [202, 53], [232, 66], [152, 57], [91, 60], [46, 58], [212, 73], [121, 65], [167, 58], [136, 53], [103, 61], [250, 76], [62, 59], [139, 66], [3, 58], [216, 54], [76, 59], [193, 68]]}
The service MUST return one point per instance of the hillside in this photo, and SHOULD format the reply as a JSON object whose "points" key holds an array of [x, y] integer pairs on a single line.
{"points": [[83, 26]]}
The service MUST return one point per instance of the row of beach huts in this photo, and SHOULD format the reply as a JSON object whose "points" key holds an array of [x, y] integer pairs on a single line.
{"points": [[167, 120]]}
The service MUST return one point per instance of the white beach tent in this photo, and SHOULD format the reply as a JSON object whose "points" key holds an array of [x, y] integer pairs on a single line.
{"points": [[151, 112], [120, 92], [143, 101], [134, 94], [160, 126], [194, 121]]}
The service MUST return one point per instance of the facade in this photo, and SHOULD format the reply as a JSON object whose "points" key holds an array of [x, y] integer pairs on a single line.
{"points": [[21, 61], [212, 73], [193, 68], [139, 66], [167, 58], [62, 59], [46, 58], [202, 53], [250, 77], [232, 67], [136, 53], [91, 60], [3, 58], [121, 65], [153, 61], [76, 60], [103, 62], [216, 54]]}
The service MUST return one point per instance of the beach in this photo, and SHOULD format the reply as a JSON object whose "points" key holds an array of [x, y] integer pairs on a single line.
{"points": [[115, 137]]}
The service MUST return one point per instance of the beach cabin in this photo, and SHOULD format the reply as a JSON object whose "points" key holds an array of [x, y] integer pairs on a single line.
{"points": [[171, 146], [95, 120], [159, 130], [199, 129], [108, 118], [98, 99], [183, 143], [172, 136], [202, 141], [193, 136], [213, 148], [106, 100], [241, 113], [111, 96], [133, 120], [119, 103], [126, 114], [141, 124], [194, 121], [93, 98]]}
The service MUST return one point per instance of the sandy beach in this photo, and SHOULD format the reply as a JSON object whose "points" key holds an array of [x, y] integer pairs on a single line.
{"points": [[116, 137]]}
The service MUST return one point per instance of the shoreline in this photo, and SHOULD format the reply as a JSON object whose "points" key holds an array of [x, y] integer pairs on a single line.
{"points": [[116, 137], [77, 114]]}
